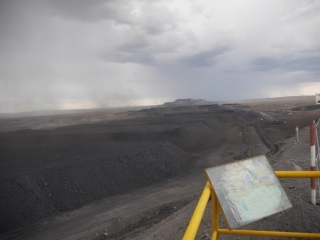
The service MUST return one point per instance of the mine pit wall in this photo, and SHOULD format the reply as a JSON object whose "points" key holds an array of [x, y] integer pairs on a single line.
{"points": [[188, 137], [34, 195], [46, 171]]}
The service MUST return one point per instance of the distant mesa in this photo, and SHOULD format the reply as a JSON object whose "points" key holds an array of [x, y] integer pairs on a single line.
{"points": [[188, 102]]}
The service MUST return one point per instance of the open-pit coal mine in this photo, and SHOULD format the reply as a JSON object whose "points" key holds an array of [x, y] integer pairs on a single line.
{"points": [[113, 174]]}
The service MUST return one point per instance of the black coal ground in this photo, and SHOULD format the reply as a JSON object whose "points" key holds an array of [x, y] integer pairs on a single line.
{"points": [[110, 178]]}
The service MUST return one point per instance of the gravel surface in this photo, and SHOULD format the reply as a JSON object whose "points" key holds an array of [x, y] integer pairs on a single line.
{"points": [[302, 217]]}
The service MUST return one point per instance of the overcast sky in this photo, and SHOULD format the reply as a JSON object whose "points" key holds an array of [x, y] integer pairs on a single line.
{"points": [[103, 53]]}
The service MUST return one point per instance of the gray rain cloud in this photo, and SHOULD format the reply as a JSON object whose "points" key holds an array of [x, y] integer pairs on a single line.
{"points": [[106, 53]]}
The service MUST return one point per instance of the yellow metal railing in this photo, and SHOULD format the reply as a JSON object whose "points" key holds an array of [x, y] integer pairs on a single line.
{"points": [[196, 218], [195, 221]]}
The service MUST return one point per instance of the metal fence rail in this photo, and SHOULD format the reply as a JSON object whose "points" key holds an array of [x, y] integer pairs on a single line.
{"points": [[196, 218]]}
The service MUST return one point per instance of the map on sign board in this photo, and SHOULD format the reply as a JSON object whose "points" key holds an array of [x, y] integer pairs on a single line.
{"points": [[247, 190], [317, 98]]}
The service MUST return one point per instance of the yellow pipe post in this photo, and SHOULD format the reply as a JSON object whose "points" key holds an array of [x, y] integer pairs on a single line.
{"points": [[214, 215], [215, 236], [270, 233], [297, 174], [196, 218]]}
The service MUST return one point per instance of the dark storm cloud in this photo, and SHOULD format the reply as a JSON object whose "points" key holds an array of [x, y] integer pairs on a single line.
{"points": [[140, 54], [82, 54], [119, 11], [204, 59], [309, 64], [93, 10], [134, 51]]}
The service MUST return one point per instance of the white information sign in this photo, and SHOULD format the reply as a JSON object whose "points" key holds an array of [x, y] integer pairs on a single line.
{"points": [[317, 98], [247, 190]]}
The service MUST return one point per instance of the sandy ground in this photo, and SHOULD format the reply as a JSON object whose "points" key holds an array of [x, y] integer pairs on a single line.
{"points": [[138, 174]]}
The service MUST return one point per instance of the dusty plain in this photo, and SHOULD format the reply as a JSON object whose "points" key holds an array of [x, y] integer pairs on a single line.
{"points": [[137, 173]]}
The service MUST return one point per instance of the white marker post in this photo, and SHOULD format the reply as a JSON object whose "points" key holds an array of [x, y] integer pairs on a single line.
{"points": [[313, 161], [297, 134]]}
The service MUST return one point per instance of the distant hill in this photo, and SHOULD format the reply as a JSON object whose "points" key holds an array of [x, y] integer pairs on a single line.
{"points": [[308, 99], [188, 102]]}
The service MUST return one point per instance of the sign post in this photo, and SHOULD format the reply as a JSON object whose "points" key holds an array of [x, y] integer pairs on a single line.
{"points": [[247, 191], [318, 98]]}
